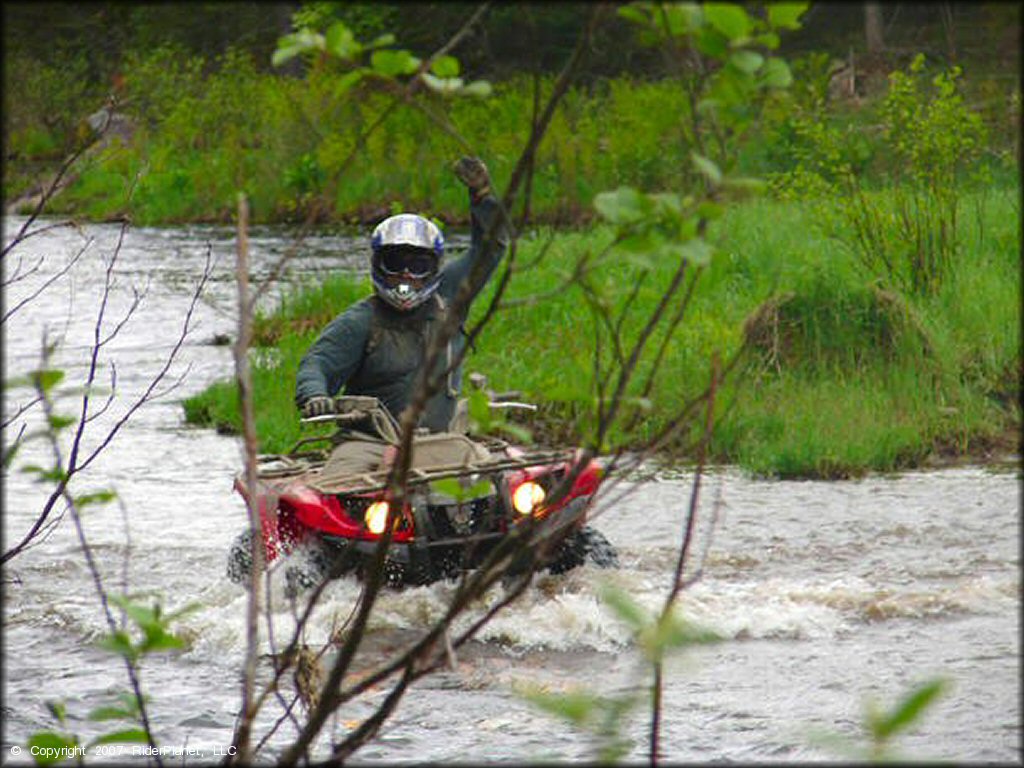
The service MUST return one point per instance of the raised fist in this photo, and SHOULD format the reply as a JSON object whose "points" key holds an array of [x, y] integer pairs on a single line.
{"points": [[473, 173]]}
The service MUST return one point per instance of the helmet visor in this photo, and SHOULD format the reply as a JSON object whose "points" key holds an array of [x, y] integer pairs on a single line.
{"points": [[414, 262]]}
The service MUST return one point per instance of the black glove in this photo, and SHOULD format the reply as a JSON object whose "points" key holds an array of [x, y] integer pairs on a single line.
{"points": [[318, 405], [473, 173]]}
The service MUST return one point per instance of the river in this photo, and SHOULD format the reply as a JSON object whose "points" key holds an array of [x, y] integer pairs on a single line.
{"points": [[827, 595]]}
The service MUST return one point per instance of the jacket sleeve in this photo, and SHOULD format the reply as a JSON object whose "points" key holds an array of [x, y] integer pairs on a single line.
{"points": [[336, 355], [489, 239]]}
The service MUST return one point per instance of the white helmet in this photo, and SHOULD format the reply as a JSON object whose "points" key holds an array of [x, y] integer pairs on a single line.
{"points": [[410, 248]]}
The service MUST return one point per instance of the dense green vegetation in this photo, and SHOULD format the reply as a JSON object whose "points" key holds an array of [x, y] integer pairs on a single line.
{"points": [[877, 285], [292, 144], [212, 116], [841, 376]]}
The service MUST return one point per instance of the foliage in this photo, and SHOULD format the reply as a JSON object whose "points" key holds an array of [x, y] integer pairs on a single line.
{"points": [[196, 141], [881, 727], [338, 44], [865, 383], [932, 140], [45, 106], [54, 746], [160, 80]]}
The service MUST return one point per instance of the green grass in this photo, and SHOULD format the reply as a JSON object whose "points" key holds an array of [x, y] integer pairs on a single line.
{"points": [[204, 134], [862, 379]]}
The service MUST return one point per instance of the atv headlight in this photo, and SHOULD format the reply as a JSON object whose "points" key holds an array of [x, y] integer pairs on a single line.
{"points": [[376, 517], [527, 497]]}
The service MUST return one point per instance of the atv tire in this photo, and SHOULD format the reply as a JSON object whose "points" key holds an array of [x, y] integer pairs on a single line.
{"points": [[585, 545], [240, 558], [316, 561]]}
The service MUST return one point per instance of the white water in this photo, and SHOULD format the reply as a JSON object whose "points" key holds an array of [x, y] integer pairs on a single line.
{"points": [[827, 594]]}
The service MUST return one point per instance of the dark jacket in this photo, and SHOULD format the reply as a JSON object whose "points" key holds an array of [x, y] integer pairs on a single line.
{"points": [[373, 349]]}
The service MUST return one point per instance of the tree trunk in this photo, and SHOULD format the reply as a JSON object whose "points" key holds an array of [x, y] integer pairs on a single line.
{"points": [[873, 28], [949, 27]]}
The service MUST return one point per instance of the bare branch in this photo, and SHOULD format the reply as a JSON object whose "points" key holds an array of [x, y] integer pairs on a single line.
{"points": [[74, 465], [23, 233], [110, 396], [42, 230], [49, 281], [16, 275], [684, 550], [244, 381], [22, 410]]}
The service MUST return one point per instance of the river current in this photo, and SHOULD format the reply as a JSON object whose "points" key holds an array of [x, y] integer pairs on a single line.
{"points": [[827, 595]]}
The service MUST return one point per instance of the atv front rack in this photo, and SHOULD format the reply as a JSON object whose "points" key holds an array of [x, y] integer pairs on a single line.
{"points": [[281, 467]]}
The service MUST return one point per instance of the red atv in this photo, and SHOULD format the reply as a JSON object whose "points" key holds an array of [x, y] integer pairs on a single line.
{"points": [[464, 496]]}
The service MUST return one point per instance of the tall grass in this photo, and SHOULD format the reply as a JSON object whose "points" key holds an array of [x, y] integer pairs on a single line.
{"points": [[207, 129], [864, 380]]}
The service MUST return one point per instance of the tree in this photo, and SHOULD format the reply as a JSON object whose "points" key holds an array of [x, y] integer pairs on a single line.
{"points": [[873, 28]]}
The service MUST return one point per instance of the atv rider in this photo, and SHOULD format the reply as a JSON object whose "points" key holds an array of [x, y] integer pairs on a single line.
{"points": [[379, 345]]}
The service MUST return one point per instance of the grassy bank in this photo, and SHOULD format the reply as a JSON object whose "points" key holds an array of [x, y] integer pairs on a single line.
{"points": [[841, 375], [206, 129]]}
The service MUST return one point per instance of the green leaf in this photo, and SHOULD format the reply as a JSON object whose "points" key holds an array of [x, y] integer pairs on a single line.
{"points": [[47, 379], [776, 74], [676, 632], [110, 712], [786, 15], [120, 643], [100, 497], [393, 63], [575, 706], [746, 61], [731, 20], [623, 205], [626, 608], [516, 431], [480, 88], [447, 486], [635, 14], [907, 711], [442, 85], [712, 43], [159, 639], [453, 487], [769, 40], [445, 66], [697, 251], [339, 41], [384, 40], [48, 747], [53, 475], [667, 203], [9, 454], [134, 735], [290, 46], [643, 242], [708, 168], [682, 18], [348, 80], [146, 617], [58, 709]]}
